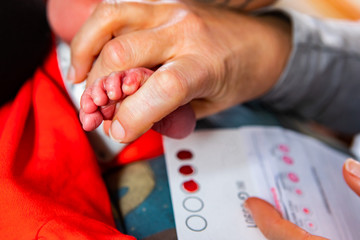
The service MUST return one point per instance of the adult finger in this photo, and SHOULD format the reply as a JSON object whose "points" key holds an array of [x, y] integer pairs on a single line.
{"points": [[108, 20], [177, 124], [171, 86], [351, 172], [130, 51], [271, 223]]}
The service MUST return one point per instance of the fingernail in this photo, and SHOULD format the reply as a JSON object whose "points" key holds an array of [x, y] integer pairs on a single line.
{"points": [[71, 74], [353, 167], [117, 132], [111, 94]]}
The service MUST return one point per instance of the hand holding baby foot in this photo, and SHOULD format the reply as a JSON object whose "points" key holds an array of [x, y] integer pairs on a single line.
{"points": [[211, 58], [99, 100]]}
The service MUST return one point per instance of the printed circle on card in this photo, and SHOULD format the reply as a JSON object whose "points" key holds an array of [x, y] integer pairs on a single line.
{"points": [[299, 192], [306, 211], [310, 226], [196, 223], [288, 160], [284, 148], [193, 204], [293, 177]]}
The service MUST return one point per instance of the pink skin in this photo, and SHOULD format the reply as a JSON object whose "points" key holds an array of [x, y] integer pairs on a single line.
{"points": [[99, 100], [65, 18], [178, 124], [98, 103]]}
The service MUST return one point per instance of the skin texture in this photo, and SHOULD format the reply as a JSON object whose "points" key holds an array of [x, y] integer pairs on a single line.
{"points": [[99, 101], [66, 17], [274, 227], [207, 71]]}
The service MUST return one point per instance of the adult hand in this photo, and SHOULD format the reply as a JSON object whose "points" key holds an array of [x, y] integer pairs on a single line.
{"points": [[67, 16], [214, 58], [274, 227]]}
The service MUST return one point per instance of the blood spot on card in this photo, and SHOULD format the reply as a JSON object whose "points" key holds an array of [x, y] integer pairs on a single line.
{"points": [[184, 155], [190, 186], [186, 170]]}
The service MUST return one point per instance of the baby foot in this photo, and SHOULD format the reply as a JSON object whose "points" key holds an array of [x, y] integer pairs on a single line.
{"points": [[99, 100]]}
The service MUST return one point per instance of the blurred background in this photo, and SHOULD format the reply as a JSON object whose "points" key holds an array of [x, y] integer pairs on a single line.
{"points": [[25, 41], [340, 9]]}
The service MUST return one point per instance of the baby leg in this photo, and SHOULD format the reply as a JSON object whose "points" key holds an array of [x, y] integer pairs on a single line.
{"points": [[99, 100]]}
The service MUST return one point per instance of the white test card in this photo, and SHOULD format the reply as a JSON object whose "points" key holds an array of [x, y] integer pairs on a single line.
{"points": [[212, 172]]}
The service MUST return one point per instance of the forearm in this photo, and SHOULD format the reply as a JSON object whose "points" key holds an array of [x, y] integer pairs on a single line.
{"points": [[322, 78]]}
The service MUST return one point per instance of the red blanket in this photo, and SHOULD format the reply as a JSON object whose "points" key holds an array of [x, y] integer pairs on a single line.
{"points": [[51, 185]]}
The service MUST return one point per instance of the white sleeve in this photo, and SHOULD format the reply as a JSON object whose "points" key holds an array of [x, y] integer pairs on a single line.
{"points": [[322, 78]]}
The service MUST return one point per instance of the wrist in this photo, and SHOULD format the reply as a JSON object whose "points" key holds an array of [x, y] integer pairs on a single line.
{"points": [[274, 45]]}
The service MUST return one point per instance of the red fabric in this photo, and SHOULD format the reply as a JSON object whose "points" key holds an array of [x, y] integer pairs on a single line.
{"points": [[50, 183], [147, 146]]}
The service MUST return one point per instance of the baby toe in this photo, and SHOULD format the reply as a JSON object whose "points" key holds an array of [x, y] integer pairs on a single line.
{"points": [[98, 93], [112, 85], [90, 121], [134, 78], [86, 102], [108, 111]]}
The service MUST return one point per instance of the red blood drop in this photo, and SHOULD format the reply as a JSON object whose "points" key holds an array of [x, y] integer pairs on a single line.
{"points": [[184, 155], [186, 170], [191, 186]]}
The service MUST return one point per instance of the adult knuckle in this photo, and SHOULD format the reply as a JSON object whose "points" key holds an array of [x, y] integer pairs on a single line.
{"points": [[172, 86], [194, 22], [105, 10], [114, 54]]}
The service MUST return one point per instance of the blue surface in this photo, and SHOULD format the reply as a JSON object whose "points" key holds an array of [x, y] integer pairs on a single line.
{"points": [[155, 213]]}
